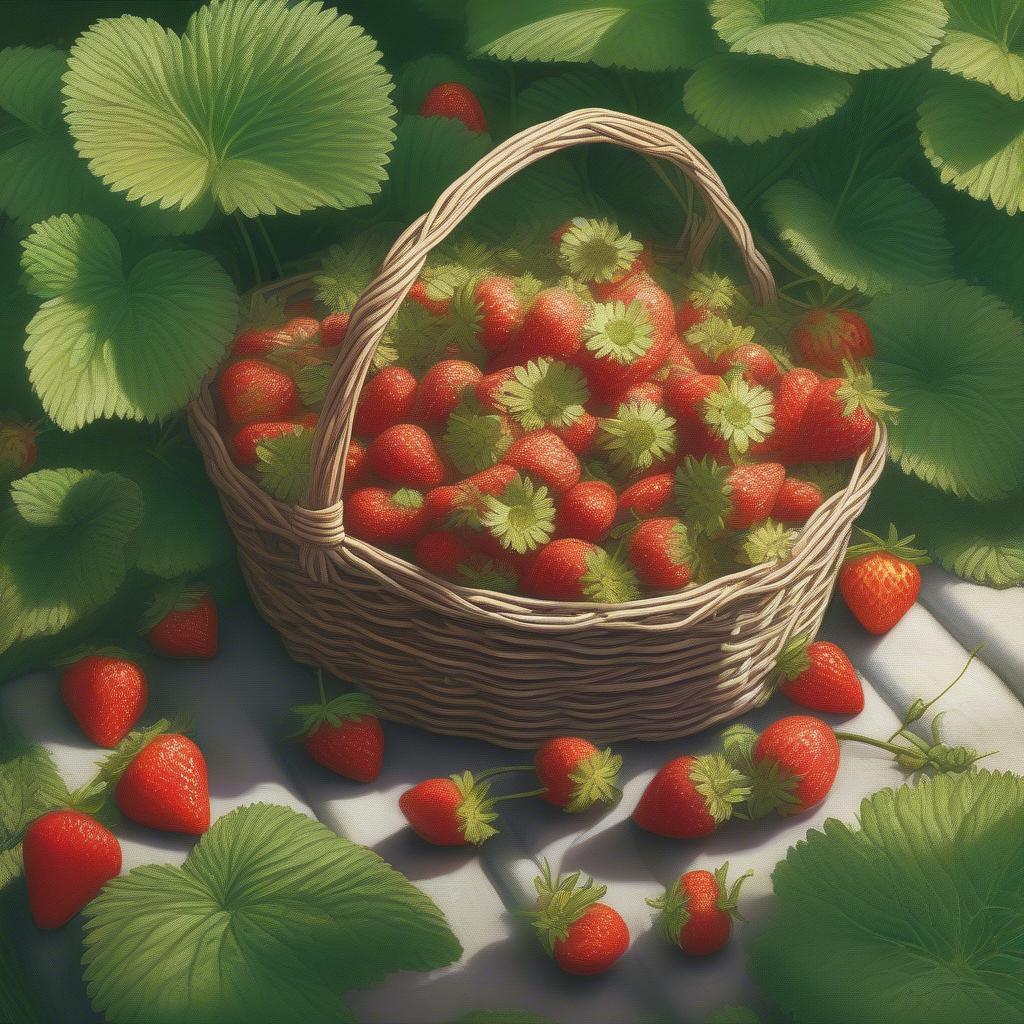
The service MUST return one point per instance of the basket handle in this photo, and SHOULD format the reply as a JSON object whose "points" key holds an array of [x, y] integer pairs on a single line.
{"points": [[403, 263]]}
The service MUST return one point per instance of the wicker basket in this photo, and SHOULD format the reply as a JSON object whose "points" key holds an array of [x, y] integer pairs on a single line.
{"points": [[509, 669]]}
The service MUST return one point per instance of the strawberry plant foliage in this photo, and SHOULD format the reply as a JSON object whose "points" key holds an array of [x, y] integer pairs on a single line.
{"points": [[271, 917], [984, 42], [918, 908]]}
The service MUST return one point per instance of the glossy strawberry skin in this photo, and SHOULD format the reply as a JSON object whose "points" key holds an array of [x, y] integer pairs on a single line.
{"points": [[645, 391], [828, 433], [252, 389], [555, 761], [792, 397], [457, 101], [553, 326], [405, 455], [593, 942], [68, 858], [354, 749], [441, 390], [671, 804], [651, 554], [245, 440], [299, 328], [579, 436], [543, 455], [754, 490], [826, 338], [333, 329], [431, 807], [442, 501], [254, 342], [165, 787], [805, 747], [441, 552], [371, 515], [388, 398], [587, 510], [830, 684], [106, 695], [759, 365], [685, 394], [355, 467], [689, 315], [501, 312], [490, 386], [189, 632], [708, 928], [879, 589], [647, 496], [556, 571], [796, 500]]}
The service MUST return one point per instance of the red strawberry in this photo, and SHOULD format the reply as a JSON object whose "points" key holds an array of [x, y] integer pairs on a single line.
{"points": [[587, 510], [452, 811], [647, 496], [581, 934], [691, 796], [388, 398], [355, 467], [645, 391], [542, 454], [553, 326], [441, 552], [796, 500], [165, 786], [681, 357], [880, 579], [689, 315], [385, 518], [420, 292], [793, 765], [333, 329], [68, 857], [715, 498], [442, 502], [792, 397], [299, 329], [495, 311], [405, 455], [245, 441], [576, 775], [659, 551], [106, 694], [453, 100], [580, 435], [684, 396], [343, 734], [255, 342], [819, 676], [758, 364], [696, 912], [826, 338], [183, 623], [571, 569], [442, 387], [490, 387], [252, 389], [18, 451], [841, 418]]}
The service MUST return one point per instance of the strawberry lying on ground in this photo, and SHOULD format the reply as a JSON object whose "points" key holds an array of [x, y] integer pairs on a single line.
{"points": [[576, 775], [450, 811], [819, 676], [106, 692], [451, 99], [182, 622]]}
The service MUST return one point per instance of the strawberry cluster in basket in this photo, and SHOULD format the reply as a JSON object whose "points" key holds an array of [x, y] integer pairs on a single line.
{"points": [[575, 422]]}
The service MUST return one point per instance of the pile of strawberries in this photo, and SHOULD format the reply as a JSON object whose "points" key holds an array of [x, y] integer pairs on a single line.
{"points": [[596, 427]]}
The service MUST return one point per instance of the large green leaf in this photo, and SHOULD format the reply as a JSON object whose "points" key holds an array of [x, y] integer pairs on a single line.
{"points": [[988, 247], [974, 137], [648, 35], [915, 916], [951, 357], [754, 98], [114, 343], [261, 106], [844, 35], [880, 234], [272, 917], [984, 41]]}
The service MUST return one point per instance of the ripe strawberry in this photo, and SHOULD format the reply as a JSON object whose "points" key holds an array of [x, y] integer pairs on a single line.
{"points": [[255, 342], [252, 389], [442, 552], [245, 440], [819, 676], [680, 356], [793, 765], [18, 451], [553, 326], [343, 734], [710, 294], [645, 391], [689, 315], [453, 100], [715, 498], [420, 292], [571, 569], [405, 455], [757, 363], [333, 329], [299, 329], [697, 910], [841, 418], [685, 395], [452, 811], [491, 311], [106, 693], [388, 398], [581, 934], [355, 467], [441, 389], [183, 622], [384, 517], [880, 579], [691, 796], [659, 551], [543, 454], [792, 396], [443, 502], [165, 786], [796, 500], [647, 496], [490, 387], [68, 857], [576, 775], [587, 510], [580, 435], [826, 338]]}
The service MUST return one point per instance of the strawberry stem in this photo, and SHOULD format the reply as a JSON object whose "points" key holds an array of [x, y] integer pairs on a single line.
{"points": [[320, 685], [855, 737], [917, 709], [491, 772], [520, 796]]}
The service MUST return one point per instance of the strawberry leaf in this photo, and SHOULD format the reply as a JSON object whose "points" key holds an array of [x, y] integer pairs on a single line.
{"points": [[282, 464], [985, 43], [346, 270], [271, 914]]}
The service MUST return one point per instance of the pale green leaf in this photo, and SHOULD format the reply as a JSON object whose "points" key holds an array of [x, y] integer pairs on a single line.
{"points": [[112, 342], [261, 105], [974, 137], [272, 917], [984, 41], [951, 357], [283, 464], [843, 35], [754, 98], [917, 913], [881, 234]]}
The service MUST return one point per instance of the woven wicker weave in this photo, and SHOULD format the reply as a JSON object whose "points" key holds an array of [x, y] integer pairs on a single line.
{"points": [[511, 669]]}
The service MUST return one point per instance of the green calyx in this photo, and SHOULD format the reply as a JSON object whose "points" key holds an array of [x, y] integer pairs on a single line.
{"points": [[893, 544], [703, 494], [545, 392], [113, 766], [618, 332], [793, 659], [673, 905], [740, 413], [715, 335], [178, 595], [596, 250], [76, 654], [709, 557], [415, 339], [638, 434], [829, 477], [609, 579], [464, 319], [711, 291], [345, 707], [738, 747], [561, 902], [522, 518], [596, 781], [407, 498], [486, 574], [720, 784], [858, 391], [476, 810], [772, 790], [767, 542], [475, 439]]}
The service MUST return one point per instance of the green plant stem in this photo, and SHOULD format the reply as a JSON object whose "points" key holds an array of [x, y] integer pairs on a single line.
{"points": [[491, 772], [881, 744], [942, 693], [270, 247], [854, 164], [247, 240], [320, 686], [521, 796], [766, 246]]}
